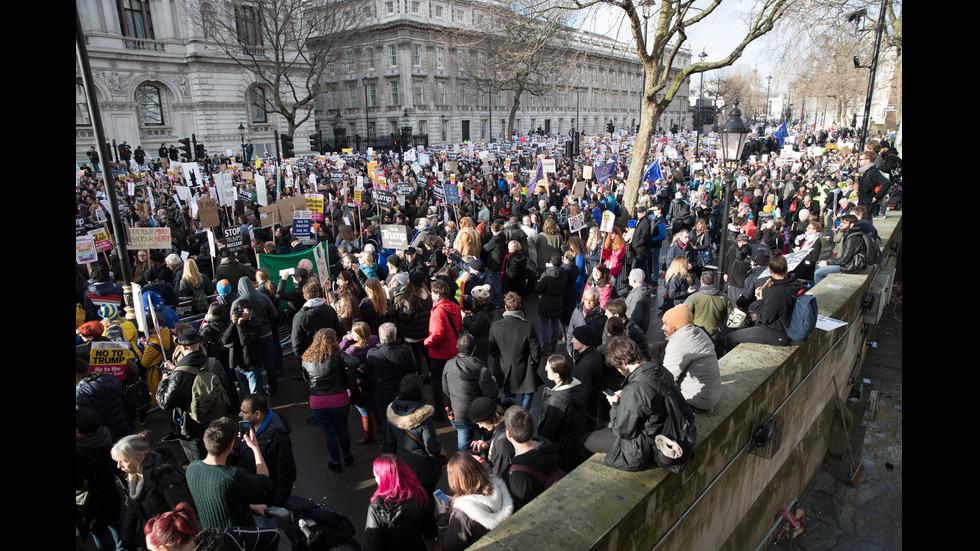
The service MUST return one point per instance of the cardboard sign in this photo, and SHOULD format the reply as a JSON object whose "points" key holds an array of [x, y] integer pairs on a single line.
{"points": [[233, 239], [394, 236], [320, 259], [608, 219], [208, 212], [385, 199], [85, 250], [148, 238], [576, 223], [109, 358], [288, 206], [587, 172], [357, 198], [268, 216]]}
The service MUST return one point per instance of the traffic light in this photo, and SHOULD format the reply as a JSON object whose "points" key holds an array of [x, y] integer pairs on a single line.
{"points": [[199, 152], [854, 120], [610, 128], [287, 145], [316, 143], [185, 149]]}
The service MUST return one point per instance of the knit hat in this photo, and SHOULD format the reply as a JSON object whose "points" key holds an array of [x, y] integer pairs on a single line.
{"points": [[152, 298], [301, 273], [402, 278], [224, 287], [586, 335], [481, 293], [477, 265], [108, 312], [482, 409], [761, 259], [678, 316], [417, 278]]}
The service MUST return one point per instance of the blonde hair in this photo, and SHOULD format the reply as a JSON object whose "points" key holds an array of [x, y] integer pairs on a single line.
{"points": [[191, 273], [678, 268], [376, 293]]}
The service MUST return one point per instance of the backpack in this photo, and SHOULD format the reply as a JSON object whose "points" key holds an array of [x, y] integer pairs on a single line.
{"points": [[872, 254], [199, 300], [675, 443], [209, 400], [548, 479], [804, 318]]}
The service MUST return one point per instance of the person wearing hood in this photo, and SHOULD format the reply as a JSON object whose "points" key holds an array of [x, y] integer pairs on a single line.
{"points": [[514, 344], [778, 298], [563, 414], [481, 502], [411, 429], [639, 302], [94, 472], [709, 306], [739, 263], [478, 317], [101, 290], [272, 431], [464, 379], [690, 357], [390, 362], [551, 290], [445, 324], [536, 458], [315, 314], [261, 313]]}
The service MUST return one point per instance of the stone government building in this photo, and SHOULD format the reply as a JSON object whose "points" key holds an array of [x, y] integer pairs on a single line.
{"points": [[158, 80]]}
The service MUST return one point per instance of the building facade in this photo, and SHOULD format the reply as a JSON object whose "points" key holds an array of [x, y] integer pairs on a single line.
{"points": [[158, 79]]}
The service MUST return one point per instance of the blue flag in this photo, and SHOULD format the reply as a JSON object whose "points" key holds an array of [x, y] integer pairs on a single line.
{"points": [[538, 175], [652, 172], [781, 134], [604, 172]]}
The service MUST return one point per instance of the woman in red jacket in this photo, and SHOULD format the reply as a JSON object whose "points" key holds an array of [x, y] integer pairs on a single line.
{"points": [[613, 254], [445, 323]]}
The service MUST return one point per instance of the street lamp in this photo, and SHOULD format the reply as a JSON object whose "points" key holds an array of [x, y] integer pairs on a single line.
{"points": [[490, 99], [338, 131], [406, 132], [241, 130], [364, 80], [733, 134], [697, 146], [578, 129], [765, 121]]}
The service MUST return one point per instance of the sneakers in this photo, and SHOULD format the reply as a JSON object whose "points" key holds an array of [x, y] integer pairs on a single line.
{"points": [[335, 467]]}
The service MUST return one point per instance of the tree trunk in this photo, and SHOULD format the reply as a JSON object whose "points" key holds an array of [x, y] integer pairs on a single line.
{"points": [[649, 116]]}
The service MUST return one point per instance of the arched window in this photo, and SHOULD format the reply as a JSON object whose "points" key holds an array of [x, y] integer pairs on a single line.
{"points": [[150, 105], [256, 105], [81, 106]]}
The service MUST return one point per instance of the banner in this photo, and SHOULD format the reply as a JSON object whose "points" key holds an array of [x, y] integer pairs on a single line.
{"points": [[148, 238], [302, 225], [452, 194], [385, 199], [101, 238], [576, 223], [314, 204]]}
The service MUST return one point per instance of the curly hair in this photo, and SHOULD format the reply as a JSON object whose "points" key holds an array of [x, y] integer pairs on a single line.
{"points": [[323, 346]]}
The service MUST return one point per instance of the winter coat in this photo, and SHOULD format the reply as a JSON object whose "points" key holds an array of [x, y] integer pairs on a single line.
{"points": [[544, 458], [473, 516], [315, 314], [242, 342], [710, 308], [95, 470], [464, 379], [638, 306], [367, 381], [394, 525], [104, 394], [163, 487], [551, 287], [263, 312], [691, 352], [416, 442], [548, 245], [596, 319], [636, 419], [614, 260], [445, 323], [514, 273], [413, 317], [478, 323], [778, 301], [329, 377], [641, 241], [277, 451], [175, 391], [514, 342], [390, 362], [852, 258], [563, 421]]}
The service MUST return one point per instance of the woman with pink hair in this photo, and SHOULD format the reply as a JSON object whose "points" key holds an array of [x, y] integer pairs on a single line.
{"points": [[399, 509]]}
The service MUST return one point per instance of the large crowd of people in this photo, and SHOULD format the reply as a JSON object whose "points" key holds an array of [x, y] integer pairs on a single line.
{"points": [[448, 303]]}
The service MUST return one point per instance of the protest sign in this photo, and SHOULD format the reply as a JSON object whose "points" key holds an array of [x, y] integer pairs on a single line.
{"points": [[322, 268], [109, 357], [576, 223], [233, 239], [384, 199], [452, 194], [302, 225], [578, 189], [608, 219], [148, 238], [268, 216], [357, 198], [548, 165], [288, 206], [314, 203], [404, 190], [394, 236], [101, 238], [85, 249], [208, 212], [262, 197], [587, 172]]}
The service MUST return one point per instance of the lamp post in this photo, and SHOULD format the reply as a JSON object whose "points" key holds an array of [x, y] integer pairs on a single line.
{"points": [[442, 128], [578, 129], [697, 146], [406, 133], [733, 134], [241, 130], [338, 131], [765, 121], [490, 104], [364, 80]]}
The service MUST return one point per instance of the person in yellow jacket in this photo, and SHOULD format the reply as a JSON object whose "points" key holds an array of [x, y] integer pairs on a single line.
{"points": [[120, 329]]}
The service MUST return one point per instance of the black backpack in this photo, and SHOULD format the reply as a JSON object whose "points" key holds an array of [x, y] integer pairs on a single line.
{"points": [[679, 432], [548, 479]]}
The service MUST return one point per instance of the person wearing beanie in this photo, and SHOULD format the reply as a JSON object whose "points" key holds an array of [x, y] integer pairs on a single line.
{"points": [[119, 329], [587, 368], [690, 357], [494, 448]]}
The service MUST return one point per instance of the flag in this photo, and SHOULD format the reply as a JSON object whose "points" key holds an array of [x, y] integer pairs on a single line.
{"points": [[652, 172], [538, 174], [604, 172], [781, 134]]}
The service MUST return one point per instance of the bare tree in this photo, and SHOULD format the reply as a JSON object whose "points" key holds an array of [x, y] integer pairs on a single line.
{"points": [[285, 44]]}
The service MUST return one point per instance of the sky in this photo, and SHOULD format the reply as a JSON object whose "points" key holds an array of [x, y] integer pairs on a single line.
{"points": [[717, 36]]}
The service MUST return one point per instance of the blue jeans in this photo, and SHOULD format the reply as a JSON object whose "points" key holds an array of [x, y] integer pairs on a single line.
{"points": [[549, 341], [498, 289], [821, 273], [272, 360], [654, 274], [464, 435], [250, 381], [108, 537], [523, 400], [333, 422]]}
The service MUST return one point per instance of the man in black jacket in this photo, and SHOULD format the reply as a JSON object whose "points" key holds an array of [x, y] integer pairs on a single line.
{"points": [[852, 257], [390, 362], [872, 185], [464, 379], [272, 433], [640, 243], [535, 458], [778, 298]]}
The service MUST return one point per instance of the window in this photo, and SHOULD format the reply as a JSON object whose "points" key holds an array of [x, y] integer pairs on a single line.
{"points": [[81, 106], [333, 98], [135, 18], [372, 130], [483, 129], [370, 58], [372, 95], [149, 104], [390, 7], [256, 105], [461, 93], [479, 60], [331, 66], [350, 62], [415, 7], [445, 130], [460, 58], [440, 58], [393, 92], [249, 26], [500, 99], [419, 98], [481, 99], [439, 14], [422, 127], [392, 55], [393, 128], [441, 93], [353, 98], [417, 56], [351, 128]]}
